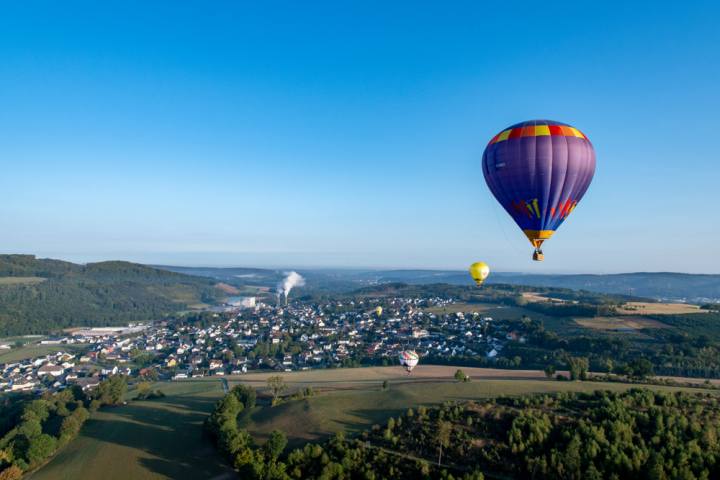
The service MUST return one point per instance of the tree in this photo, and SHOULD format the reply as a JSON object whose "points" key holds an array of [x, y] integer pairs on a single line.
{"points": [[444, 429], [640, 368], [13, 472], [275, 444], [277, 385], [143, 389], [40, 448], [578, 368], [150, 374], [71, 424], [549, 371], [142, 358], [460, 376], [246, 395], [111, 391]]}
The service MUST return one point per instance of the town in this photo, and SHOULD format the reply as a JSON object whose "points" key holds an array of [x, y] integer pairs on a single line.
{"points": [[251, 335]]}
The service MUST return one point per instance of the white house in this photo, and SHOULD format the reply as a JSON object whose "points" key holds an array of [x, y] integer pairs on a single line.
{"points": [[50, 369]]}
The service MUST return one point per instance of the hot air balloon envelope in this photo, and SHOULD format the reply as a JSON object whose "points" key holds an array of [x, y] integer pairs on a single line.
{"points": [[409, 359], [479, 271], [538, 171]]}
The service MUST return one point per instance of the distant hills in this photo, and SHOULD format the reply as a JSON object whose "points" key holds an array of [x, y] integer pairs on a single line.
{"points": [[694, 288], [44, 295], [661, 286]]}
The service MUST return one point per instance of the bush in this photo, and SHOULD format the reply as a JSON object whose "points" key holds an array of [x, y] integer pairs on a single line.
{"points": [[13, 472], [460, 376]]}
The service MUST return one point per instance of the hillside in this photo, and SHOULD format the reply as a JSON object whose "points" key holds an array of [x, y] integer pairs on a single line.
{"points": [[658, 285], [42, 295], [694, 288], [140, 440], [661, 285], [634, 434]]}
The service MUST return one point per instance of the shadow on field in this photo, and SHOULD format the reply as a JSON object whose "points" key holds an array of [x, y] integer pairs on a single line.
{"points": [[368, 417], [169, 430]]}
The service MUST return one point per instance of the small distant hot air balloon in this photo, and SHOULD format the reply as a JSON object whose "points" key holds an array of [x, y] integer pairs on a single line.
{"points": [[538, 171], [409, 359], [479, 271], [378, 311]]}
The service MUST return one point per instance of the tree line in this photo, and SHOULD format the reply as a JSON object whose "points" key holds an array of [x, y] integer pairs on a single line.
{"points": [[34, 429]]}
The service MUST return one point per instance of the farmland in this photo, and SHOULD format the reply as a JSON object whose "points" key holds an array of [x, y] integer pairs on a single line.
{"points": [[20, 280], [649, 308], [163, 438], [619, 324]]}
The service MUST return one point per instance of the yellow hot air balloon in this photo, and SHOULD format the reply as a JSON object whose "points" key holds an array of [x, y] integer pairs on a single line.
{"points": [[479, 271], [378, 311]]}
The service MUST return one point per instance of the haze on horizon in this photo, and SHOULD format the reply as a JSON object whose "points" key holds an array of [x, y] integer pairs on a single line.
{"points": [[351, 135]]}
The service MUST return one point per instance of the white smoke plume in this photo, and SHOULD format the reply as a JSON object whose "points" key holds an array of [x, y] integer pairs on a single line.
{"points": [[291, 280]]}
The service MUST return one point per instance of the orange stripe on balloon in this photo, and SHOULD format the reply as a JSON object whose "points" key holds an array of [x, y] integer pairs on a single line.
{"points": [[536, 131]]}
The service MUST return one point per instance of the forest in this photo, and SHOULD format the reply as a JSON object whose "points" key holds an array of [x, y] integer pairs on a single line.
{"points": [[96, 294], [600, 435]]}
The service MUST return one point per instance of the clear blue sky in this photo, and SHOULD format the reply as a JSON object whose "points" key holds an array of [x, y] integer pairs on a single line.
{"points": [[351, 133]]}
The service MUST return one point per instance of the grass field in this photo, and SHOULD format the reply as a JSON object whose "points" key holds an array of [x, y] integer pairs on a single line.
{"points": [[145, 440], [163, 438], [619, 324], [535, 297], [20, 280], [34, 350], [356, 402], [644, 308]]}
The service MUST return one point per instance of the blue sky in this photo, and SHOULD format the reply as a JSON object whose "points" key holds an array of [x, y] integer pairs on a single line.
{"points": [[351, 133]]}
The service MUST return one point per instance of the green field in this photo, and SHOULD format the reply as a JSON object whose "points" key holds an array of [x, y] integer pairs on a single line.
{"points": [[20, 280], [163, 438], [35, 350], [145, 440], [355, 410]]}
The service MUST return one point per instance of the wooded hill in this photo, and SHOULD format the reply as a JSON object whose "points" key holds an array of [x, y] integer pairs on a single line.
{"points": [[39, 296]]}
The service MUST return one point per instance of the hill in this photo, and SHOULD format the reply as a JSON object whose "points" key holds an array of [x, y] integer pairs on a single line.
{"points": [[42, 295], [140, 440], [317, 281], [693, 288], [633, 434], [656, 285]]}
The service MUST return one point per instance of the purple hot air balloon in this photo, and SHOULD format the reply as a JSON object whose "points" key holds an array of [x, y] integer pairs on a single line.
{"points": [[538, 171]]}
